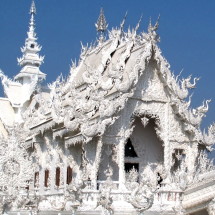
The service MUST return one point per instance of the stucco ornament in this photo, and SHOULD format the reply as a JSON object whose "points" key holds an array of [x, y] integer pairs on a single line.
{"points": [[15, 162], [203, 165], [105, 199], [142, 193], [16, 172]]}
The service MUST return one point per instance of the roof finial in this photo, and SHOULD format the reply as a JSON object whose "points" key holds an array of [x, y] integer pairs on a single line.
{"points": [[31, 60], [152, 30], [33, 8], [123, 21], [101, 25], [150, 24]]}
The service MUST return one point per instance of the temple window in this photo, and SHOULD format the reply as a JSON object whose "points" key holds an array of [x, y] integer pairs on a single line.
{"points": [[57, 178], [32, 46], [178, 157], [129, 149], [46, 178], [36, 179], [69, 175]]}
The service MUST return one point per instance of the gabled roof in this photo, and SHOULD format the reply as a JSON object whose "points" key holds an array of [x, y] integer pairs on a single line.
{"points": [[105, 77]]}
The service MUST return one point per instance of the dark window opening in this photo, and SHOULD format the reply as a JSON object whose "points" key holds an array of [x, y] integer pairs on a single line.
{"points": [[36, 179], [129, 149], [27, 187], [69, 175], [130, 166], [57, 179], [159, 179], [46, 178], [32, 46], [178, 157]]}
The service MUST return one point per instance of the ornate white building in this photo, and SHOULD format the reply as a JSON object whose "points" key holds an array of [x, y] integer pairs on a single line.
{"points": [[118, 136]]}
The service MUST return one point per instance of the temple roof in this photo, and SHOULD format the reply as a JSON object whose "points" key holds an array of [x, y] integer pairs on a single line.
{"points": [[106, 76]]}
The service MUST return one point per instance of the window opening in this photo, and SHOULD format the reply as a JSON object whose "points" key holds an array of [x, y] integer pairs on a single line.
{"points": [[46, 178], [36, 179], [159, 179], [69, 175], [57, 178], [178, 157], [32, 46], [129, 149]]}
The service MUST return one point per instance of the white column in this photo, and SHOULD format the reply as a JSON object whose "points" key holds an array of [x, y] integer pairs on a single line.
{"points": [[167, 148], [191, 158], [121, 155], [97, 163]]}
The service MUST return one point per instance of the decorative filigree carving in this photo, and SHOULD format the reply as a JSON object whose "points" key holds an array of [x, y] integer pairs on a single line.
{"points": [[142, 193], [105, 200]]}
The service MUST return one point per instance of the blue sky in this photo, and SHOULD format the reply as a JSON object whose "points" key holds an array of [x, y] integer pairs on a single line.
{"points": [[187, 31]]}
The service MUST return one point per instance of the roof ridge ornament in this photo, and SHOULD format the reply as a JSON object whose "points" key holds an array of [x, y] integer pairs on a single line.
{"points": [[123, 21], [152, 34], [33, 8], [101, 25], [138, 25]]}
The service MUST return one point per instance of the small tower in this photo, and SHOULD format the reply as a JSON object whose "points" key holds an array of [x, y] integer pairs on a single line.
{"points": [[30, 60], [101, 25]]}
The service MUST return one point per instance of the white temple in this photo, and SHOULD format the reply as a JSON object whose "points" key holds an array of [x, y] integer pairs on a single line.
{"points": [[118, 136]]}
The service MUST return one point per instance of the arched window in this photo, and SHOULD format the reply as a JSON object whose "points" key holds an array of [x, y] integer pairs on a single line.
{"points": [[46, 178], [36, 179], [69, 175], [57, 177], [129, 149]]}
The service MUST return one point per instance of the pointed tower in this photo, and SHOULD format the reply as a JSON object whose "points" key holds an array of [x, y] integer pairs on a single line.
{"points": [[30, 60], [101, 25]]}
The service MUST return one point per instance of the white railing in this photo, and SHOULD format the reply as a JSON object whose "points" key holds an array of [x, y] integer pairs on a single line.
{"points": [[115, 185]]}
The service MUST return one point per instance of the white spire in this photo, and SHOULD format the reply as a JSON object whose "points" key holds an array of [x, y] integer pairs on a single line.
{"points": [[31, 60], [31, 32], [101, 26], [33, 8]]}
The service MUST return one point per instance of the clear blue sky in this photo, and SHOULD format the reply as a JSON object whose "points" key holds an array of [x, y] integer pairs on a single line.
{"points": [[187, 30]]}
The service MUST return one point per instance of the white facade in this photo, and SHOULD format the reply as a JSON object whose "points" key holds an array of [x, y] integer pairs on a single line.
{"points": [[118, 136]]}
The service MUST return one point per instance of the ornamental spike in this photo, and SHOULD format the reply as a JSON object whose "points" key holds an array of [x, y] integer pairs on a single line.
{"points": [[33, 8], [123, 21], [150, 24], [138, 24], [157, 23], [101, 25]]}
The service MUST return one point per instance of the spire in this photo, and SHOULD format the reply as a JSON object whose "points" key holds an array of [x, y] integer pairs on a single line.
{"points": [[31, 33], [33, 8], [31, 60], [101, 25]]}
